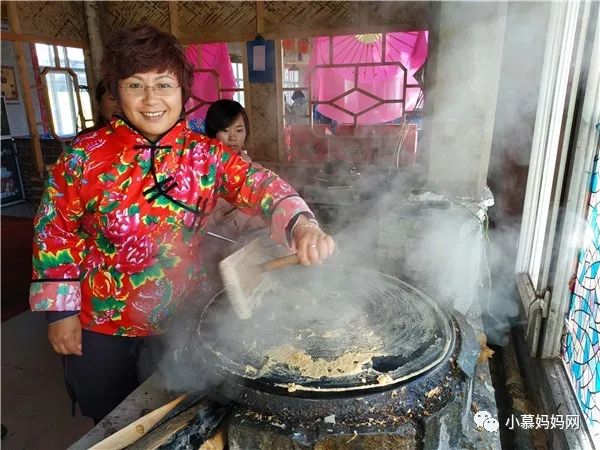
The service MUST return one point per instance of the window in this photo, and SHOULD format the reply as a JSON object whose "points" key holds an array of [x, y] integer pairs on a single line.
{"points": [[291, 80], [557, 255], [63, 69], [238, 73], [356, 98], [218, 74]]}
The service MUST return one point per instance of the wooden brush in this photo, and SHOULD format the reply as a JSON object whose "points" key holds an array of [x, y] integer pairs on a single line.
{"points": [[241, 273]]}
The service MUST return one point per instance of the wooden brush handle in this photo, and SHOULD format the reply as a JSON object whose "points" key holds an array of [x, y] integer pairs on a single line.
{"points": [[278, 263]]}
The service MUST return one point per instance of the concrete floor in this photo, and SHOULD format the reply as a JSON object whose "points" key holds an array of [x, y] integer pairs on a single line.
{"points": [[35, 406]]}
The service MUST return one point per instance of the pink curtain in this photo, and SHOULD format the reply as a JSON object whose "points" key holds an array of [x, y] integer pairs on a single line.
{"points": [[385, 82], [205, 88]]}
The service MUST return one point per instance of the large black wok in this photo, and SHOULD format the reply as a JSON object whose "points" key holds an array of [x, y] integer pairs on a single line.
{"points": [[328, 331]]}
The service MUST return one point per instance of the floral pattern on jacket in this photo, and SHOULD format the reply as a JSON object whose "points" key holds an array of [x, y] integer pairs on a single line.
{"points": [[119, 227]]}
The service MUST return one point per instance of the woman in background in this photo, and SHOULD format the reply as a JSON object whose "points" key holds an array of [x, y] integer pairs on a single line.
{"points": [[227, 121], [107, 105]]}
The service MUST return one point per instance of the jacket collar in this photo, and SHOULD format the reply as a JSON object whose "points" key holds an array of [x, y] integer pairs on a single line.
{"points": [[122, 127]]}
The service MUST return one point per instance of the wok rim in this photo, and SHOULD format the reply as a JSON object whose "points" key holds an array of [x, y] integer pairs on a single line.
{"points": [[266, 385]]}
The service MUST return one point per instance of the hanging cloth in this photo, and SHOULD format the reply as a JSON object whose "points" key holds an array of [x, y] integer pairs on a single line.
{"points": [[383, 81], [212, 74]]}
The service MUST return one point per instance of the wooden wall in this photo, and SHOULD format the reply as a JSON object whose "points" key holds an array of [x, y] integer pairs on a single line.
{"points": [[200, 21], [54, 19], [65, 23]]}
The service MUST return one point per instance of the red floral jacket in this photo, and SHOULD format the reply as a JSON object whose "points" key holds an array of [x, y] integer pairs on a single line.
{"points": [[119, 227]]}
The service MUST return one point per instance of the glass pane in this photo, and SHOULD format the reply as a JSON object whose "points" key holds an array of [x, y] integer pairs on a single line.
{"points": [[238, 73], [239, 97], [75, 57], [62, 56], [86, 105], [580, 342], [45, 55], [291, 79], [62, 103], [81, 77]]}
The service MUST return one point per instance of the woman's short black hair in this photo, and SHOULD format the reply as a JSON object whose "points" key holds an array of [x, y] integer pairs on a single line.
{"points": [[142, 49], [221, 114], [297, 94]]}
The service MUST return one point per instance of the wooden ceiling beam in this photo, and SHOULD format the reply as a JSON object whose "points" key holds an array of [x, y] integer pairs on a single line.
{"points": [[260, 17], [173, 19], [31, 38]]}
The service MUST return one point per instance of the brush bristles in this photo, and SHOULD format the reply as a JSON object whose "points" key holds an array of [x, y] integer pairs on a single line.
{"points": [[234, 290], [240, 277]]}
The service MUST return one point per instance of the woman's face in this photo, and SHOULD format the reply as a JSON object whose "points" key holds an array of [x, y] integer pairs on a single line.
{"points": [[151, 101], [234, 136]]}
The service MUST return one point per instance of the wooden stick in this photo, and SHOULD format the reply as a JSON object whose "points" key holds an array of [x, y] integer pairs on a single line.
{"points": [[135, 430], [284, 261], [162, 433], [217, 441]]}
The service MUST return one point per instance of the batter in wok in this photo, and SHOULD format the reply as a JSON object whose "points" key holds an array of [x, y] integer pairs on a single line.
{"points": [[334, 328]]}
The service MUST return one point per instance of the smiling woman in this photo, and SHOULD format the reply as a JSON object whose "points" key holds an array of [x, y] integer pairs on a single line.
{"points": [[152, 102], [150, 77], [119, 228]]}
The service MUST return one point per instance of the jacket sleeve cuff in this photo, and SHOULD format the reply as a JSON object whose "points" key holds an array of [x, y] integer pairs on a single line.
{"points": [[55, 295], [57, 316], [287, 209]]}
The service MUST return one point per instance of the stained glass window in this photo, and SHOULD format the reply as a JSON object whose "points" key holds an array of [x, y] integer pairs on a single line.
{"points": [[581, 338]]}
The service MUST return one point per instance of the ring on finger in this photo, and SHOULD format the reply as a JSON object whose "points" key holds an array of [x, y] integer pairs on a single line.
{"points": [[312, 246]]}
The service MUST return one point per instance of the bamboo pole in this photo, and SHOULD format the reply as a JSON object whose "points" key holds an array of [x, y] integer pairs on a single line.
{"points": [[260, 16], [280, 108], [90, 10], [15, 26], [173, 19]]}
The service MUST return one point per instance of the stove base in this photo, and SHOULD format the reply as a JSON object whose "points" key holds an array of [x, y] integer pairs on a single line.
{"points": [[248, 429]]}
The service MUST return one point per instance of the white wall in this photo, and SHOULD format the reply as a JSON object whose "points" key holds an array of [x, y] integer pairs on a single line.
{"points": [[16, 109], [465, 79]]}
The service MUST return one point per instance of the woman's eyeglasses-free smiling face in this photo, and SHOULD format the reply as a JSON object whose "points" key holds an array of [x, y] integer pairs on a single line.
{"points": [[234, 136], [151, 101]]}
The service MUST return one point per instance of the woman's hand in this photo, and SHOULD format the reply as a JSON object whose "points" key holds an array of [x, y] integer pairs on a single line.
{"points": [[65, 336], [313, 245]]}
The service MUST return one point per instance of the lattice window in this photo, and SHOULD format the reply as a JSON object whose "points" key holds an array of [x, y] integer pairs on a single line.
{"points": [[219, 70], [581, 338], [356, 98], [66, 85]]}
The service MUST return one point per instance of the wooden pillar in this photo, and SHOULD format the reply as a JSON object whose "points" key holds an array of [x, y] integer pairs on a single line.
{"points": [[90, 10], [173, 19], [15, 27], [260, 16], [280, 107]]}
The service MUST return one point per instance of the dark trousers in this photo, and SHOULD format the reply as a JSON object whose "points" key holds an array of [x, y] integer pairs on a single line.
{"points": [[109, 370]]}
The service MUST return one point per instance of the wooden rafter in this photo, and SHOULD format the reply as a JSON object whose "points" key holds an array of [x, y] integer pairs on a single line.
{"points": [[20, 37]]}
